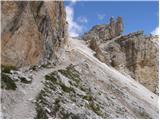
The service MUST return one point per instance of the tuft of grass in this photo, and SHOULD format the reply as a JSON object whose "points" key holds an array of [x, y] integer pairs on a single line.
{"points": [[7, 68], [44, 65], [7, 83], [57, 105], [88, 97], [92, 105], [41, 114], [34, 67], [95, 107], [66, 89]]}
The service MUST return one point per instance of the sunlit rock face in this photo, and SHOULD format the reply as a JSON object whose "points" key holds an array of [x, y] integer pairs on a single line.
{"points": [[134, 54], [105, 32], [32, 32]]}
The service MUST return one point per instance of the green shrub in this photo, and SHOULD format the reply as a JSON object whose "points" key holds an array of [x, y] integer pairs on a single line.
{"points": [[34, 67], [7, 83], [66, 89], [52, 77], [88, 97], [24, 80]]}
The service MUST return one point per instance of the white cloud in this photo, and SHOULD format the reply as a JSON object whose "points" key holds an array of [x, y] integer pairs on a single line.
{"points": [[101, 16], [82, 19], [156, 31], [73, 1], [74, 28]]}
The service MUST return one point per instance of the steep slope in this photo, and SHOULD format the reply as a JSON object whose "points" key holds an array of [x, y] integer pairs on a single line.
{"points": [[89, 88], [32, 32], [79, 87]]}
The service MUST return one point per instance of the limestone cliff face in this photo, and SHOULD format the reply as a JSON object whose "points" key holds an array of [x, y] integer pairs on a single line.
{"points": [[32, 32], [134, 54]]}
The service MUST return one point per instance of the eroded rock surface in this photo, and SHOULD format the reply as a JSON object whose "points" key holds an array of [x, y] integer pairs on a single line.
{"points": [[134, 54], [105, 32], [32, 32]]}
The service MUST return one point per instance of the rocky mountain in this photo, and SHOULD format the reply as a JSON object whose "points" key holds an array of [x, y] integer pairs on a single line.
{"points": [[134, 54], [47, 74], [32, 32]]}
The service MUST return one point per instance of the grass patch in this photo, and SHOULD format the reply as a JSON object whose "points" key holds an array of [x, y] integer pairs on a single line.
{"points": [[88, 97], [66, 89], [57, 105], [7, 68], [92, 105], [52, 77], [55, 79], [34, 67], [41, 114], [71, 73], [95, 107], [7, 83], [44, 65]]}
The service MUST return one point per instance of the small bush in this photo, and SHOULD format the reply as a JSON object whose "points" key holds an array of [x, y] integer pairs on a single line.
{"points": [[44, 65], [34, 67], [24, 80], [7, 83], [88, 97], [52, 77]]}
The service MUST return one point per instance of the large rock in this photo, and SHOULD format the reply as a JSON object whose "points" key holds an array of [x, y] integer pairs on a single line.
{"points": [[32, 32]]}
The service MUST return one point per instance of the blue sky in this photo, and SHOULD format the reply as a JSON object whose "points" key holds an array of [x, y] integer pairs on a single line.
{"points": [[83, 15]]}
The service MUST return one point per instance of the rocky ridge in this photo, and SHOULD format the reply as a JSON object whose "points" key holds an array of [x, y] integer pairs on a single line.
{"points": [[105, 32]]}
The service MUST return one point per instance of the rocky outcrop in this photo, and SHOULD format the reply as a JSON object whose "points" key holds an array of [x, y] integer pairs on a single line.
{"points": [[32, 32], [98, 53], [105, 32], [134, 54], [119, 26]]}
